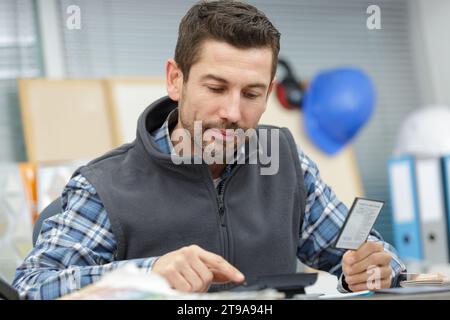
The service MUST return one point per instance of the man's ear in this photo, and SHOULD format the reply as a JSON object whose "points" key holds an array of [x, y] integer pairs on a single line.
{"points": [[174, 80]]}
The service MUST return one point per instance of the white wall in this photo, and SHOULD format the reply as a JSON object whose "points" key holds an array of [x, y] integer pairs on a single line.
{"points": [[430, 32]]}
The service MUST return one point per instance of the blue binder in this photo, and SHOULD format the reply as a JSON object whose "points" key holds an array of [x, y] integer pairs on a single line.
{"points": [[404, 207], [446, 173]]}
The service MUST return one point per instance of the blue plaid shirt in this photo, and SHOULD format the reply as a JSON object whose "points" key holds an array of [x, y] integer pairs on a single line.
{"points": [[75, 248]]}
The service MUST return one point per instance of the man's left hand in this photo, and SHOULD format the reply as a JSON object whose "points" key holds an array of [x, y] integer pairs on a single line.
{"points": [[367, 268]]}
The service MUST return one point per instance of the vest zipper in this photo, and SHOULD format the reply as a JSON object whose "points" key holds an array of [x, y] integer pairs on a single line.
{"points": [[220, 204], [221, 210], [222, 221], [223, 225]]}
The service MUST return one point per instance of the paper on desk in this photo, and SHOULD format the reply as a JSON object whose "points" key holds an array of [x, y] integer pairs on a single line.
{"points": [[425, 279], [132, 283], [346, 295]]}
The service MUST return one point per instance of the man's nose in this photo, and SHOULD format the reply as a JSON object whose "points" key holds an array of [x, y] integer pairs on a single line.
{"points": [[231, 110]]}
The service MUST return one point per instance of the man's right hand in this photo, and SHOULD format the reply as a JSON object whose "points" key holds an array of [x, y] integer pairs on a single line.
{"points": [[193, 269]]}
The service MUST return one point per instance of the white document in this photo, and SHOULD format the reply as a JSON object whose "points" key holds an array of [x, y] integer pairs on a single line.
{"points": [[402, 192], [346, 295], [359, 223]]}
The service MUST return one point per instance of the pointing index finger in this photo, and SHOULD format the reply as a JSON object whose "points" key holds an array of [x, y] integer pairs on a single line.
{"points": [[219, 265]]}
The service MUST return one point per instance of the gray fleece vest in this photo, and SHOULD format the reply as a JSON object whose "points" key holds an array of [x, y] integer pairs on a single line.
{"points": [[156, 206]]}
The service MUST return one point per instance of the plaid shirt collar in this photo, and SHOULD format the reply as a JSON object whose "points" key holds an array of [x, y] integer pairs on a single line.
{"points": [[162, 134]]}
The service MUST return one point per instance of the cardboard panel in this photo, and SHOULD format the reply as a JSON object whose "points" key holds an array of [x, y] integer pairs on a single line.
{"points": [[64, 119], [28, 173], [128, 98]]}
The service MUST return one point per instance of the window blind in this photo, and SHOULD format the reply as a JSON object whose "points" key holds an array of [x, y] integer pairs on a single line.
{"points": [[19, 57]]}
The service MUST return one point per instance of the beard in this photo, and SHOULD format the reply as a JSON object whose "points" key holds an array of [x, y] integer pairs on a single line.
{"points": [[209, 138]]}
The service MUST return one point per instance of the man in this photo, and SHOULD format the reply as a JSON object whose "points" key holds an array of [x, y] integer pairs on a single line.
{"points": [[203, 225]]}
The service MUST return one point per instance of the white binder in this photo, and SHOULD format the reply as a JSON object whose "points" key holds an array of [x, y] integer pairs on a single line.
{"points": [[433, 217]]}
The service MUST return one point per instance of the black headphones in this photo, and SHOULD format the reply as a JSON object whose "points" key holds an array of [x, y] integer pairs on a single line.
{"points": [[289, 90]]}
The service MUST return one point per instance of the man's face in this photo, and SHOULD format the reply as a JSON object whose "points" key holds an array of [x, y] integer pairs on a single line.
{"points": [[227, 88]]}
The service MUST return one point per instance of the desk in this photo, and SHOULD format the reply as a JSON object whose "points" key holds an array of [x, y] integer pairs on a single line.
{"points": [[327, 284], [422, 296]]}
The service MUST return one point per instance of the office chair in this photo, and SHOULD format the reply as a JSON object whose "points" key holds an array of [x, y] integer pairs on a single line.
{"points": [[49, 211]]}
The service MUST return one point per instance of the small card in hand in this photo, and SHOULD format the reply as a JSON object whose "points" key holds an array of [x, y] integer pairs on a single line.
{"points": [[360, 220]]}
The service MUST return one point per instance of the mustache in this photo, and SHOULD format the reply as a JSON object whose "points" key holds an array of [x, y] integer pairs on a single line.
{"points": [[221, 126]]}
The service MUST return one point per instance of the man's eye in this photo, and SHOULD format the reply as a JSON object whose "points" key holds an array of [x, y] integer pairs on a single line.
{"points": [[250, 95], [216, 90]]}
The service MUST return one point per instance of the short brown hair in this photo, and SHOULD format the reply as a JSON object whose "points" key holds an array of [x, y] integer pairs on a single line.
{"points": [[233, 22]]}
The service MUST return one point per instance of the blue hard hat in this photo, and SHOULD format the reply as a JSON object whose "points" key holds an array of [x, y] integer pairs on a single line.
{"points": [[337, 104]]}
